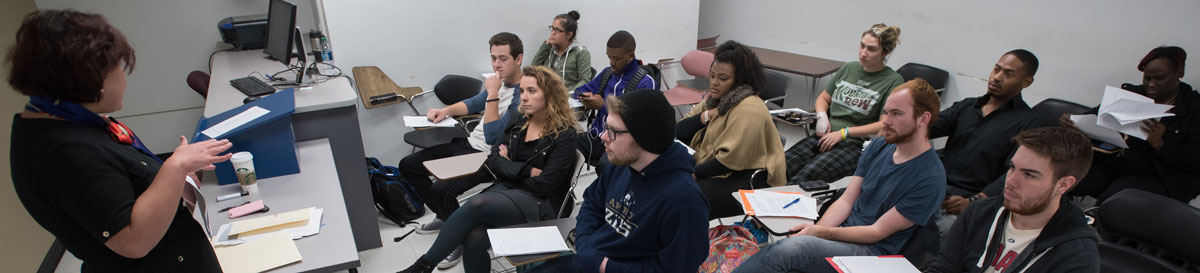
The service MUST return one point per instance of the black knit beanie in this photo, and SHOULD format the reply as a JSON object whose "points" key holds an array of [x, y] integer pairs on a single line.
{"points": [[649, 118]]}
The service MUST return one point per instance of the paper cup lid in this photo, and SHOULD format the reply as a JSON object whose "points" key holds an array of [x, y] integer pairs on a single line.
{"points": [[240, 157]]}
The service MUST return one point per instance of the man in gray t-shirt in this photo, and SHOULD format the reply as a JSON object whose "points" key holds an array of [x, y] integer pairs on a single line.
{"points": [[897, 186]]}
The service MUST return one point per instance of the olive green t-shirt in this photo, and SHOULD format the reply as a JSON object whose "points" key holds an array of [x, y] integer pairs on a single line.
{"points": [[858, 96]]}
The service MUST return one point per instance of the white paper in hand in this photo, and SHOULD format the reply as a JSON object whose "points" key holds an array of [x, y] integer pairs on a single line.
{"points": [[1123, 111]]}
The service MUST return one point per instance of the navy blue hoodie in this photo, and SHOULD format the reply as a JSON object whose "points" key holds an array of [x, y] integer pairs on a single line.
{"points": [[655, 220]]}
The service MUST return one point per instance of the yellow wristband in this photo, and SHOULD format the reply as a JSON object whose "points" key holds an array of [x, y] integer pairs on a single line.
{"points": [[844, 132]]}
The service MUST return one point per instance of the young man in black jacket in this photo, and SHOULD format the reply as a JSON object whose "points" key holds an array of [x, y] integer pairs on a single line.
{"points": [[1029, 228]]}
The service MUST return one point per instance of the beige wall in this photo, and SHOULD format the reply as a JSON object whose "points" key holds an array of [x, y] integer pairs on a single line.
{"points": [[26, 242]]}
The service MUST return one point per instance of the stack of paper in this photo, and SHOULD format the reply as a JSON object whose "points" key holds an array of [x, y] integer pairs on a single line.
{"points": [[272, 251], [872, 264], [422, 121], [298, 224], [524, 241], [1124, 111], [771, 203]]}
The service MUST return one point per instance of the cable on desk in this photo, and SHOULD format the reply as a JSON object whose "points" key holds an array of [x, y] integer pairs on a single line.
{"points": [[210, 57]]}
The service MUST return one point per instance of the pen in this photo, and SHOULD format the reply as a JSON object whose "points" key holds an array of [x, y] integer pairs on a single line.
{"points": [[234, 206], [792, 203], [231, 196]]}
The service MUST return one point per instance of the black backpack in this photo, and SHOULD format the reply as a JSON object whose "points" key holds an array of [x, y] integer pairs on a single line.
{"points": [[394, 197]]}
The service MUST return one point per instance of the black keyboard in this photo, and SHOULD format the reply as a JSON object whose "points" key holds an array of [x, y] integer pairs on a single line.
{"points": [[252, 86]]}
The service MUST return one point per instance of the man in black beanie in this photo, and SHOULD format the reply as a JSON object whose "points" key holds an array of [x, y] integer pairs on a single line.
{"points": [[644, 212]]}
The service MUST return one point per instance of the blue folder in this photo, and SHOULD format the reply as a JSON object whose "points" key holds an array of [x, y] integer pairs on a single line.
{"points": [[269, 138]]}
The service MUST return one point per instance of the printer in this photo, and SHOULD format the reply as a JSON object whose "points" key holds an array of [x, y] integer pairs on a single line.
{"points": [[244, 32]]}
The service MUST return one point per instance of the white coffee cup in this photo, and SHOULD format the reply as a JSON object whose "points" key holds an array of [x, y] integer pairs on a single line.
{"points": [[243, 166]]}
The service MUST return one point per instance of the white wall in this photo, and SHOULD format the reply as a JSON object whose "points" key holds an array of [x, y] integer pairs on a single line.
{"points": [[171, 38], [1081, 45], [418, 42], [26, 242]]}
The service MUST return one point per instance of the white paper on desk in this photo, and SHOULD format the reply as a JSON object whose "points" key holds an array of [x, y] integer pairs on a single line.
{"points": [[311, 228], [233, 122], [769, 203], [788, 110], [274, 250], [1123, 111], [1087, 124], [873, 264], [523, 241], [422, 121], [248, 225]]}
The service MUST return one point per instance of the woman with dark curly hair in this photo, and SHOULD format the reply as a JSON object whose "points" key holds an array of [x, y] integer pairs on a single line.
{"points": [[731, 131], [85, 177]]}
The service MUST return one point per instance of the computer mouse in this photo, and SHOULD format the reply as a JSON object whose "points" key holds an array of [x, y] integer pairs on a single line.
{"points": [[250, 99]]}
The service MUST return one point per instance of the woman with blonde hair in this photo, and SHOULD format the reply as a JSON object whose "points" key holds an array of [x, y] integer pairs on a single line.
{"points": [[531, 165], [848, 111]]}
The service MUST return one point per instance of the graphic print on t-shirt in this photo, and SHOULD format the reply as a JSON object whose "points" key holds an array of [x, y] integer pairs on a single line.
{"points": [[856, 96], [1014, 242]]}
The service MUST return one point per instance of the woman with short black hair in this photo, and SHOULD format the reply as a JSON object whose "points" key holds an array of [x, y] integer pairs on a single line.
{"points": [[85, 177]]}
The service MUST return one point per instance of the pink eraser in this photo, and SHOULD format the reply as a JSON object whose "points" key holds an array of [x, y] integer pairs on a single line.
{"points": [[246, 209]]}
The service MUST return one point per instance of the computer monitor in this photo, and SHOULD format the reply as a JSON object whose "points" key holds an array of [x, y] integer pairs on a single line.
{"points": [[283, 36]]}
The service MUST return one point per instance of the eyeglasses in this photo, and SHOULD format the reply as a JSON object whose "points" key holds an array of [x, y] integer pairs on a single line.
{"points": [[611, 133], [556, 30]]}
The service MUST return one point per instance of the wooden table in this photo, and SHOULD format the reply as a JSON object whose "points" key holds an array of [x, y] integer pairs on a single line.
{"points": [[813, 67]]}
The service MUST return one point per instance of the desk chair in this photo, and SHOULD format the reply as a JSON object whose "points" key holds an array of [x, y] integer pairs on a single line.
{"points": [[569, 201], [371, 81], [1145, 232], [933, 75], [707, 42], [1051, 109], [689, 92], [450, 90], [776, 89], [198, 81]]}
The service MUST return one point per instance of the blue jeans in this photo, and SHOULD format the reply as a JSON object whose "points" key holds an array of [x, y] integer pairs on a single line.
{"points": [[802, 254]]}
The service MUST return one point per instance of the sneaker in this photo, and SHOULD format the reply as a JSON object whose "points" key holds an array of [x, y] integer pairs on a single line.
{"points": [[430, 228], [452, 260], [418, 267]]}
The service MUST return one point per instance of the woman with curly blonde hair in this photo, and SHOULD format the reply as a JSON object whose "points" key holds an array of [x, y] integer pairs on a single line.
{"points": [[531, 165]]}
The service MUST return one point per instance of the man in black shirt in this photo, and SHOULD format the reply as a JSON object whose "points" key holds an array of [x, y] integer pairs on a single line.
{"points": [[980, 130]]}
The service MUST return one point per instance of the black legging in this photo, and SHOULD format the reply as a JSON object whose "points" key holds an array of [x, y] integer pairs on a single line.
{"points": [[468, 226]]}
